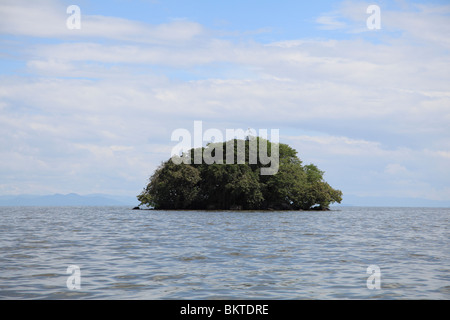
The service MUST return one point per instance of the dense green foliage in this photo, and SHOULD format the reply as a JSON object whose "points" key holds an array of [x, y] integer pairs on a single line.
{"points": [[239, 186]]}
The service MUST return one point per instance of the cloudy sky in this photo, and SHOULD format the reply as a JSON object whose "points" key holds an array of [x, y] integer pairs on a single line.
{"points": [[91, 110]]}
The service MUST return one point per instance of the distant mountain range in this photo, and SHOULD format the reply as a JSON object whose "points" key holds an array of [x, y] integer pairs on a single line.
{"points": [[71, 199]]}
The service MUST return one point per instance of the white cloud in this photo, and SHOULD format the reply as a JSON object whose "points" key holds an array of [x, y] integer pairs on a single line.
{"points": [[370, 168], [427, 23], [330, 22], [396, 169], [380, 110], [350, 17], [47, 19], [339, 145]]}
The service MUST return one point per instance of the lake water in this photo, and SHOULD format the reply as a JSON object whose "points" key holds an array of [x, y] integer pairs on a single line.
{"points": [[132, 254]]}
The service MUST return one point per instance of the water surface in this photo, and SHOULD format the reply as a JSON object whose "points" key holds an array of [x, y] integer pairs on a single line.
{"points": [[132, 254]]}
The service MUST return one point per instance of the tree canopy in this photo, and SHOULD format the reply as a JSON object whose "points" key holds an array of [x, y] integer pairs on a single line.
{"points": [[220, 185]]}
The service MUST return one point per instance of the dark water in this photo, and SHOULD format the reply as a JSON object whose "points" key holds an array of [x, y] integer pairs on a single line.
{"points": [[126, 254]]}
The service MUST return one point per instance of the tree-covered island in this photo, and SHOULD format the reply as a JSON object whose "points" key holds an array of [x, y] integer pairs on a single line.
{"points": [[182, 183]]}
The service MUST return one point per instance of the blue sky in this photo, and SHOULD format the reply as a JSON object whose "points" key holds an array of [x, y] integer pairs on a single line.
{"points": [[92, 110]]}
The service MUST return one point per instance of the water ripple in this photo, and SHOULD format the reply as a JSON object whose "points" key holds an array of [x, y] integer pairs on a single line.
{"points": [[125, 254]]}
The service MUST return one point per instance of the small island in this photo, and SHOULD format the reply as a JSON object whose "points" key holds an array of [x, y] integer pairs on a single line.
{"points": [[190, 185]]}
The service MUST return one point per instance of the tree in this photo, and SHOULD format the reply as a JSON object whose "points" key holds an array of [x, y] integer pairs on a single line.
{"points": [[172, 186], [224, 186], [285, 189], [318, 191]]}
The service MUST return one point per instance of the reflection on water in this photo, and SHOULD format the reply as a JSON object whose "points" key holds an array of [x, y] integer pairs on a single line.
{"points": [[129, 254]]}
